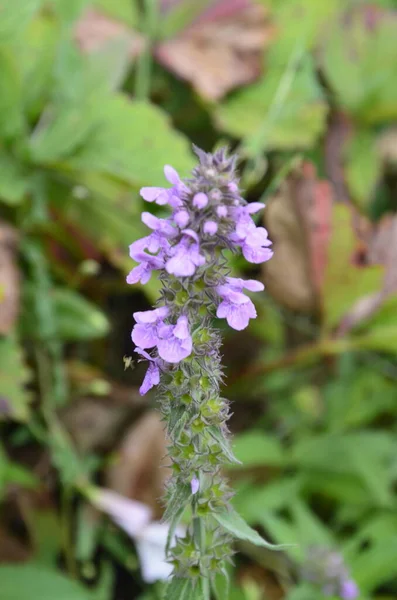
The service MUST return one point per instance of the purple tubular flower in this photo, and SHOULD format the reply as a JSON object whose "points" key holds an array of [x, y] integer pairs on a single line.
{"points": [[143, 272], [195, 485], [162, 226], [200, 200], [144, 333], [152, 376], [181, 218], [221, 211], [186, 256], [210, 227], [349, 590], [235, 307], [175, 342]]}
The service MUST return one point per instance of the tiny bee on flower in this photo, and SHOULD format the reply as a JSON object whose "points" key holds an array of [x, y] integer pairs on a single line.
{"points": [[128, 362]]}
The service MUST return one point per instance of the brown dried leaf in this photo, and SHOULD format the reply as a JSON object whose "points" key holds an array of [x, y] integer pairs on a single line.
{"points": [[9, 279], [220, 54], [298, 219], [139, 471], [95, 29]]}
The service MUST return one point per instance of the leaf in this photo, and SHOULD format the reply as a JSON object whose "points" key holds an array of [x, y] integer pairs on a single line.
{"points": [[311, 531], [344, 281], [365, 455], [124, 10], [11, 116], [295, 123], [359, 63], [133, 142], [362, 167], [14, 375], [179, 589], [257, 448], [33, 581], [382, 338], [224, 444], [375, 566], [236, 526], [15, 16], [13, 181], [177, 501], [76, 317]]}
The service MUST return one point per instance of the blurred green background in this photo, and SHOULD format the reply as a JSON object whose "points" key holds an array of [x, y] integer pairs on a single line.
{"points": [[95, 97]]}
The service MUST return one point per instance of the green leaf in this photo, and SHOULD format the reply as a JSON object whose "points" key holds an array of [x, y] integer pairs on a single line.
{"points": [[13, 378], [236, 526], [76, 317], [13, 180], [33, 581], [313, 20], [177, 501], [360, 65], [295, 123], [362, 167], [179, 589], [224, 444], [11, 115], [133, 142], [124, 10], [36, 57], [375, 566], [365, 455], [382, 338], [15, 15], [257, 448]]}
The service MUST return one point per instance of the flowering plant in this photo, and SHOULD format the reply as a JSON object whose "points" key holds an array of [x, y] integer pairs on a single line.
{"points": [[178, 340]]}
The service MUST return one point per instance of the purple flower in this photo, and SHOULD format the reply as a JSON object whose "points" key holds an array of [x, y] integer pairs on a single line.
{"points": [[163, 196], [152, 376], [221, 211], [163, 227], [349, 590], [144, 333], [195, 485], [253, 240], [210, 227], [235, 307], [174, 342], [143, 272], [200, 200], [181, 218], [185, 256]]}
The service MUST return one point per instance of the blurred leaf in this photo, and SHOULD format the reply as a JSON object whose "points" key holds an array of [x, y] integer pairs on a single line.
{"points": [[125, 10], [33, 581], [365, 454], [13, 180], [345, 282], [304, 20], [11, 116], [256, 448], [133, 143], [375, 566], [184, 589], [382, 338], [360, 65], [13, 378], [87, 533], [256, 499], [311, 531], [76, 317], [362, 167], [238, 528], [15, 15], [297, 123], [36, 56]]}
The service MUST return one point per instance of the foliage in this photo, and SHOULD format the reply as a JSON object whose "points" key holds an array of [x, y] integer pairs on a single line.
{"points": [[313, 385]]}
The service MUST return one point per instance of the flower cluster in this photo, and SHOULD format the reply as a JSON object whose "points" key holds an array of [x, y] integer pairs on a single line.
{"points": [[326, 569], [207, 216]]}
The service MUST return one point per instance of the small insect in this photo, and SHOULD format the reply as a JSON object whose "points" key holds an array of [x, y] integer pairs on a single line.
{"points": [[128, 362]]}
